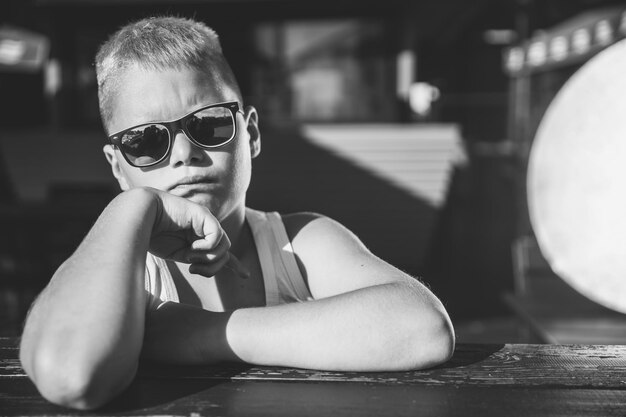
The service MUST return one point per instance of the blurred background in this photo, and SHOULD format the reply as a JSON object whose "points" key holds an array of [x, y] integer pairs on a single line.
{"points": [[410, 121]]}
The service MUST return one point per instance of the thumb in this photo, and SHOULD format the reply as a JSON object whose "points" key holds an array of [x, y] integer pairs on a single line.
{"points": [[206, 226]]}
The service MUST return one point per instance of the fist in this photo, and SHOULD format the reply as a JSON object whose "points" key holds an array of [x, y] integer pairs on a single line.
{"points": [[187, 232]]}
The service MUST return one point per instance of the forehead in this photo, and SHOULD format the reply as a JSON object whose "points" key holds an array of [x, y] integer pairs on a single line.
{"points": [[158, 95]]}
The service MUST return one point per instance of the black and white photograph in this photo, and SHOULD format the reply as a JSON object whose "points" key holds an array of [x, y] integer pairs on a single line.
{"points": [[312, 208]]}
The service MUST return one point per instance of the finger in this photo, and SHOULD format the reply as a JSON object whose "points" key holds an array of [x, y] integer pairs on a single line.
{"points": [[211, 231], [237, 267], [208, 269], [211, 228], [209, 243], [204, 256], [199, 219]]}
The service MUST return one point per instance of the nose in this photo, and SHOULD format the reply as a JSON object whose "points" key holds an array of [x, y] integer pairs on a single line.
{"points": [[184, 152]]}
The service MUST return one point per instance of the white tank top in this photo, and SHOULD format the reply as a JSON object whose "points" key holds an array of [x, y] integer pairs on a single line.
{"points": [[282, 278]]}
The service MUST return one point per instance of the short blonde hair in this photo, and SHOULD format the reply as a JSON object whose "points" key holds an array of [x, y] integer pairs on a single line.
{"points": [[159, 43]]}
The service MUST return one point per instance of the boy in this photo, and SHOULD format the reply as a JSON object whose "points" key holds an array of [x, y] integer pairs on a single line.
{"points": [[177, 269]]}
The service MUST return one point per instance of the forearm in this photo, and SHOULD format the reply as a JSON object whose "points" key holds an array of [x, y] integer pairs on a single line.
{"points": [[386, 327], [85, 329]]}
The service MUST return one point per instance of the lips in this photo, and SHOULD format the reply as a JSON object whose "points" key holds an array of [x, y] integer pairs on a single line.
{"points": [[192, 184]]}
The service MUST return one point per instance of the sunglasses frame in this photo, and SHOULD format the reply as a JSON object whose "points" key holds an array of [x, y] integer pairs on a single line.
{"points": [[173, 127]]}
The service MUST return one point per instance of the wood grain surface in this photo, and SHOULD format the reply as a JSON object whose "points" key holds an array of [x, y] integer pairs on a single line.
{"points": [[511, 380]]}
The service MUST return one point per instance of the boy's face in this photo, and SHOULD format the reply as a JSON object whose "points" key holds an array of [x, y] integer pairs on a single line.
{"points": [[218, 177]]}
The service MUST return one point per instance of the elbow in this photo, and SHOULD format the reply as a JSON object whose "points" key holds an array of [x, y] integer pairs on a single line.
{"points": [[77, 385], [72, 391], [443, 339], [432, 342]]}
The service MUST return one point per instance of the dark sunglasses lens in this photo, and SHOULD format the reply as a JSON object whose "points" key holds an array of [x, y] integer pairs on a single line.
{"points": [[211, 127], [144, 145]]}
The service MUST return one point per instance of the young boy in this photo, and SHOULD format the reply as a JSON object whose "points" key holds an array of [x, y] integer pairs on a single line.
{"points": [[177, 269]]}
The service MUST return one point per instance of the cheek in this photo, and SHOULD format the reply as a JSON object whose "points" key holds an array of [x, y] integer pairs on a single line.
{"points": [[244, 159], [240, 167], [138, 178]]}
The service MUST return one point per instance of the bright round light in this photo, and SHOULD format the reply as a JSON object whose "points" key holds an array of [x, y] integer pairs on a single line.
{"points": [[577, 180]]}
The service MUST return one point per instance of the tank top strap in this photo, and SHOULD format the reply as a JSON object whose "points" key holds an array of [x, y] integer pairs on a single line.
{"points": [[159, 282], [282, 278]]}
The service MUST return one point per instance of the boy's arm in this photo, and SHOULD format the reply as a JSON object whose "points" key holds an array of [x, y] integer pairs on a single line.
{"points": [[83, 335], [367, 315]]}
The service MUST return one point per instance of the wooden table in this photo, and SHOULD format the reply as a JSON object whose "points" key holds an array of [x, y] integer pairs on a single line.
{"points": [[480, 380]]}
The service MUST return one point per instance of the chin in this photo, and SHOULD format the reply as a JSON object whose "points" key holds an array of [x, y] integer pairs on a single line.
{"points": [[216, 206], [204, 200]]}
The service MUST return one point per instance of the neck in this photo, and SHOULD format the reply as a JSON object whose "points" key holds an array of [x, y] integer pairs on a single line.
{"points": [[234, 226]]}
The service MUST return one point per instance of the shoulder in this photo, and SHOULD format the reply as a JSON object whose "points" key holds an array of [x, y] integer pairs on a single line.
{"points": [[333, 258], [309, 228], [324, 244], [306, 230]]}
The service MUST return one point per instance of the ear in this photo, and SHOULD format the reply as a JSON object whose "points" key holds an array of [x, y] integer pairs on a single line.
{"points": [[116, 169], [252, 123]]}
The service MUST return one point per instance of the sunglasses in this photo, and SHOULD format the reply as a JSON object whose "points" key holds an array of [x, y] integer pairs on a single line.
{"points": [[207, 127]]}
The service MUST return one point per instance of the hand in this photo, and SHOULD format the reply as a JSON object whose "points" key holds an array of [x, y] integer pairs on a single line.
{"points": [[187, 232]]}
